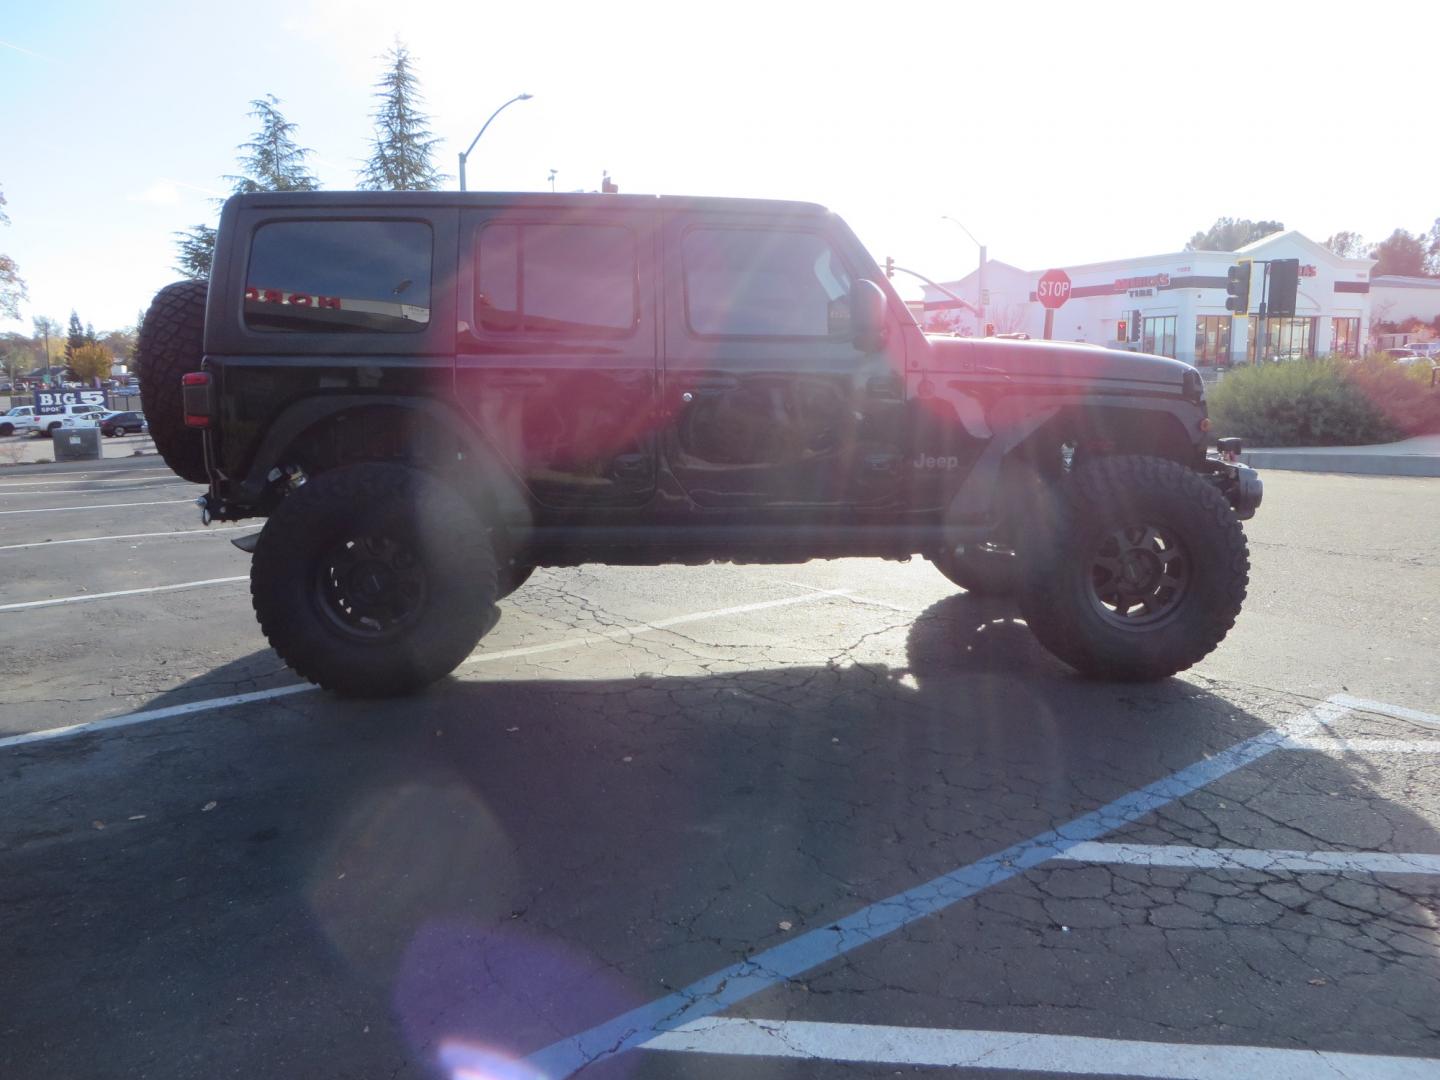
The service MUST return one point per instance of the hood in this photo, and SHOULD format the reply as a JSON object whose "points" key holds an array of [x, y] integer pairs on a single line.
{"points": [[1050, 359]]}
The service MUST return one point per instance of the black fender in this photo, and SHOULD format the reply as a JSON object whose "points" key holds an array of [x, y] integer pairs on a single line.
{"points": [[483, 470], [1015, 419]]}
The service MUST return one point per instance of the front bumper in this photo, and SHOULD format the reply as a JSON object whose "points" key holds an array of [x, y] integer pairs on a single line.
{"points": [[1241, 485]]}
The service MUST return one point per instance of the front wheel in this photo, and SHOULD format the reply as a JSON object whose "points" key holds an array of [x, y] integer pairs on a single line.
{"points": [[1139, 573], [7, 429], [374, 579]]}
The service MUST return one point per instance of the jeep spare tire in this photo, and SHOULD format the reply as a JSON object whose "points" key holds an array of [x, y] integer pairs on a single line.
{"points": [[172, 342]]}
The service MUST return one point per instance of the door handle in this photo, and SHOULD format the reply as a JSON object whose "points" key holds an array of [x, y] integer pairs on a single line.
{"points": [[710, 388]]}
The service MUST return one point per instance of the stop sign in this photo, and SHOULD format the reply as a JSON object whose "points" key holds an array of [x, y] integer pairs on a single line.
{"points": [[1054, 288]]}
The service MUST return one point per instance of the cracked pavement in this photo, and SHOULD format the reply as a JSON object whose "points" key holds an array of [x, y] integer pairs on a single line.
{"points": [[308, 886]]}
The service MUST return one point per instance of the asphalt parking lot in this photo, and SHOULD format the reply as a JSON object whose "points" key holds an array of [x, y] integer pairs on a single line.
{"points": [[778, 821]]}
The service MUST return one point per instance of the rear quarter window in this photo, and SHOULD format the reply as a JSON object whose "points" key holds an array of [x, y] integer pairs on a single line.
{"points": [[339, 277]]}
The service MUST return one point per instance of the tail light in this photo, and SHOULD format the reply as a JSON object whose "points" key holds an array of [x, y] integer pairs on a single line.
{"points": [[195, 398]]}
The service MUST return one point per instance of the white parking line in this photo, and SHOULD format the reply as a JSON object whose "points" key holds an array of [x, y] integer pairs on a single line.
{"points": [[207, 704], [1066, 1054], [1342, 862], [211, 530], [105, 491], [1361, 746], [652, 627], [1397, 712], [81, 478], [102, 506], [85, 597]]}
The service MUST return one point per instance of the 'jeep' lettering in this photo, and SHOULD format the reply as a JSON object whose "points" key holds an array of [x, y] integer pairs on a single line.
{"points": [[923, 462]]}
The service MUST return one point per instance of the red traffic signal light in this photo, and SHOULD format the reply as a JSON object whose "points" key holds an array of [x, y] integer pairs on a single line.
{"points": [[1122, 331]]}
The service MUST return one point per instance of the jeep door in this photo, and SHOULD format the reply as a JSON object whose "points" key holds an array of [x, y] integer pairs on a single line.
{"points": [[556, 346], [771, 402]]}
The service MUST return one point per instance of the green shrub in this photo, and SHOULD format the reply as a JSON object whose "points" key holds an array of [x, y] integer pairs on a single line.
{"points": [[1333, 401]]}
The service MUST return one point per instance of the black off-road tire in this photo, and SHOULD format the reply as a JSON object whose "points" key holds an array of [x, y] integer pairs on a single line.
{"points": [[981, 572], [1099, 499], [292, 569], [993, 569], [512, 577], [7, 429], [172, 342]]}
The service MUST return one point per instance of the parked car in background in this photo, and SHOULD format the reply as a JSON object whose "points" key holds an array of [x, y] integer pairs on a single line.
{"points": [[48, 422], [122, 423], [1429, 350], [18, 421]]}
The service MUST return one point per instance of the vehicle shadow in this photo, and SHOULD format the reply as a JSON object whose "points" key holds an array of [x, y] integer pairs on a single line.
{"points": [[505, 860]]}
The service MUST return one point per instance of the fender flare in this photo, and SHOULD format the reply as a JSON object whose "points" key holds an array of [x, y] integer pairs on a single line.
{"points": [[483, 466]]}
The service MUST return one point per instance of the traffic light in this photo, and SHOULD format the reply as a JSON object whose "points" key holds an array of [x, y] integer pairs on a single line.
{"points": [[1237, 288], [889, 267], [1284, 284], [1122, 332], [989, 329]]}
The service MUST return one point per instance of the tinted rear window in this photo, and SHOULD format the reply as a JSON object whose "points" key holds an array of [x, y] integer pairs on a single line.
{"points": [[339, 277]]}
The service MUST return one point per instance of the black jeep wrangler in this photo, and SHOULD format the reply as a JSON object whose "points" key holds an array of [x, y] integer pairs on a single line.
{"points": [[430, 394]]}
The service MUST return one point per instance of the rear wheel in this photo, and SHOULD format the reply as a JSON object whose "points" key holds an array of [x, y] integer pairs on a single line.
{"points": [[1139, 573], [374, 579], [992, 568], [984, 570], [171, 342]]}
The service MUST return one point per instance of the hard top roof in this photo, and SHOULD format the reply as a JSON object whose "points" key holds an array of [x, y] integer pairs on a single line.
{"points": [[527, 199]]}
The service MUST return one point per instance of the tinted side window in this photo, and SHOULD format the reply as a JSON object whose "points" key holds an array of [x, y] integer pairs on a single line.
{"points": [[339, 277], [560, 279], [764, 283]]}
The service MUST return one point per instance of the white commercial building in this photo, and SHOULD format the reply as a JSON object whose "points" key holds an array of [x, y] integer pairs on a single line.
{"points": [[1174, 304], [1396, 299]]}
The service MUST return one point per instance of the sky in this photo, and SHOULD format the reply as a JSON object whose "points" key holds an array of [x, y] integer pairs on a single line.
{"points": [[1057, 133]]}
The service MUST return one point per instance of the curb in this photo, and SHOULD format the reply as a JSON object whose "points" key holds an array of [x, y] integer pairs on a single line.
{"points": [[1341, 462]]}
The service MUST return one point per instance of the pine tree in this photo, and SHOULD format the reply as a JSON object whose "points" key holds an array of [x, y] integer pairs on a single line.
{"points": [[196, 250], [74, 337], [403, 143], [90, 338], [273, 162]]}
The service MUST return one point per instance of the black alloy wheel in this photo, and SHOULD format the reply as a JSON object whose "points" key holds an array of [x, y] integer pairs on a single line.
{"points": [[1139, 576], [371, 588]]}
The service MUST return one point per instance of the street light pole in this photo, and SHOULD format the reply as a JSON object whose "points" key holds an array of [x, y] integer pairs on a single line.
{"points": [[466, 153], [980, 303]]}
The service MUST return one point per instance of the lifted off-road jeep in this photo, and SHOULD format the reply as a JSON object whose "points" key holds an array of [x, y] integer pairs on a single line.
{"points": [[430, 394]]}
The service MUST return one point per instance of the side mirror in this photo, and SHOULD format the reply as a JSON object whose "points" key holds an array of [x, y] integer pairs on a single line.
{"points": [[867, 315]]}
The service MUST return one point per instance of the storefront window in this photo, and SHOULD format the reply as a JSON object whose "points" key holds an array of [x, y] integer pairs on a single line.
{"points": [[1212, 340], [1345, 337], [1158, 335], [1285, 339]]}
